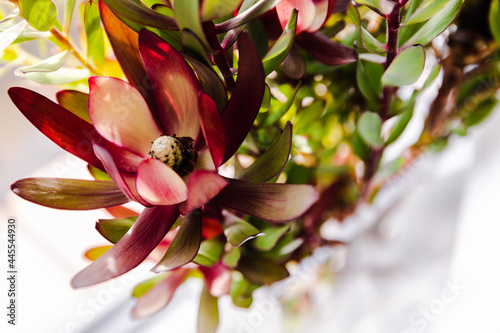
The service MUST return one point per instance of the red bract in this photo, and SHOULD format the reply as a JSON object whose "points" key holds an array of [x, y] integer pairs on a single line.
{"points": [[122, 134], [312, 13]]}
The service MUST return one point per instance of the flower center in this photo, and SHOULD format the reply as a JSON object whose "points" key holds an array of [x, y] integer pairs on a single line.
{"points": [[177, 153]]}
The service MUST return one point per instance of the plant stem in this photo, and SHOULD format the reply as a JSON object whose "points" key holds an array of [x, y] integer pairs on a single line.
{"points": [[373, 161], [69, 47]]}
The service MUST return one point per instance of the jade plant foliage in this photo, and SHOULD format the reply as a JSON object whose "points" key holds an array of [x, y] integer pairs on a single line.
{"points": [[239, 126]]}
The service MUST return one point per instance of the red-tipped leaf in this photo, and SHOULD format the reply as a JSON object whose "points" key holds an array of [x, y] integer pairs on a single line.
{"points": [[326, 50], [271, 202], [245, 102], [67, 130], [147, 232]]}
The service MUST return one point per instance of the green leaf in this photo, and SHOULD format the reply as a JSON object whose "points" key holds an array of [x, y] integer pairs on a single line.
{"points": [[436, 25], [210, 252], [406, 67], [250, 9], [241, 290], [77, 102], [480, 113], [146, 286], [282, 47], [425, 11], [272, 162], [208, 312], [61, 76], [231, 257], [369, 77], [9, 35], [380, 6], [68, 14], [275, 116], [114, 229], [494, 18], [271, 236], [185, 245], [369, 42], [399, 126], [360, 148], [137, 15], [369, 128], [187, 15], [98, 174], [261, 271], [95, 37], [214, 9], [238, 231], [48, 65], [73, 194], [40, 14], [192, 46]]}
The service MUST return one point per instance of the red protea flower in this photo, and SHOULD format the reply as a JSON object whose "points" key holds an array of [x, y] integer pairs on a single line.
{"points": [[165, 159]]}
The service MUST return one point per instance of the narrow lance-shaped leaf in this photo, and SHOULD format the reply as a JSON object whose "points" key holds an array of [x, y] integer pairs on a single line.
{"points": [[369, 77], [113, 230], [68, 14], [125, 45], [245, 102], [147, 232], [95, 38], [61, 76], [369, 128], [406, 67], [400, 126], [425, 11], [68, 131], [212, 9], [8, 36], [369, 42], [282, 47], [272, 162], [258, 8], [380, 6], [208, 312], [237, 230], [50, 64], [437, 24], [271, 202], [41, 14], [187, 15], [274, 117], [73, 194], [139, 15], [185, 245]]}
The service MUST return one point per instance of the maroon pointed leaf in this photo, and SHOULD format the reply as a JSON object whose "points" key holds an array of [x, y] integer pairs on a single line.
{"points": [[212, 128], [185, 245], [135, 12], [271, 202], [76, 102], [73, 194], [245, 102], [146, 233], [68, 131], [174, 85], [125, 43], [326, 50], [159, 295], [272, 162]]}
